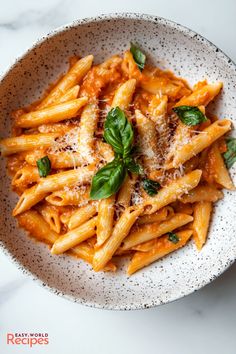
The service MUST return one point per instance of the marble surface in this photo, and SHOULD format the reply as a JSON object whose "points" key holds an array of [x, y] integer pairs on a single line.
{"points": [[203, 322]]}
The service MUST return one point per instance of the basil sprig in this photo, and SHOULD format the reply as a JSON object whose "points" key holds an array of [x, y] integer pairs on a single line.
{"points": [[139, 57], [190, 115], [150, 186], [44, 166], [230, 154], [120, 135], [173, 237]]}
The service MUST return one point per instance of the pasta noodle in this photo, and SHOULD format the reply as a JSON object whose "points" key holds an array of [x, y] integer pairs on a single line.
{"points": [[17, 144], [73, 77], [52, 216], [148, 141], [53, 114], [202, 193], [172, 192], [200, 142], [34, 223], [124, 93], [158, 216], [24, 177], [105, 220], [52, 183], [125, 193], [120, 231], [74, 237], [202, 214], [148, 232], [162, 247], [66, 196], [88, 125], [201, 98], [82, 215], [218, 169]]}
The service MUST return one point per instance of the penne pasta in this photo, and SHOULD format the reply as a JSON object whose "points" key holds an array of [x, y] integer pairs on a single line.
{"points": [[86, 252], [162, 247], [148, 142], [182, 137], [66, 159], [202, 96], [205, 193], [150, 231], [77, 196], [105, 151], [66, 215], [180, 207], [35, 224], [83, 251], [218, 169], [202, 215], [24, 177], [111, 62], [69, 159], [52, 216], [88, 125], [199, 142], [20, 143], [74, 237], [82, 215], [172, 192], [105, 219], [53, 114], [125, 192], [60, 128], [33, 195], [161, 85], [161, 215], [145, 246], [73, 77], [129, 67], [158, 114], [123, 95], [69, 95], [15, 162], [120, 231]]}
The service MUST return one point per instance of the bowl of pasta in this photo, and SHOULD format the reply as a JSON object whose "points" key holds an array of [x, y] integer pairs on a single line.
{"points": [[117, 149]]}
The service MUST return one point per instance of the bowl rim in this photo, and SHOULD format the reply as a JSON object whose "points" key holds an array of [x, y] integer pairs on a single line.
{"points": [[67, 27]]}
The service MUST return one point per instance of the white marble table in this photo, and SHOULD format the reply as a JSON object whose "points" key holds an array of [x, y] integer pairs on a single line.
{"points": [[204, 322]]}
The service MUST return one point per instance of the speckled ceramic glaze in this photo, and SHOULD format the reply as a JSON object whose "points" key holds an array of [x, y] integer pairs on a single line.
{"points": [[168, 45]]}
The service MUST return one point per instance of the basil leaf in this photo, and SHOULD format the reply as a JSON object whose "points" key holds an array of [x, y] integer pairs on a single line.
{"points": [[132, 166], [138, 56], [44, 166], [108, 180], [173, 237], [150, 186], [230, 154], [190, 115], [118, 131]]}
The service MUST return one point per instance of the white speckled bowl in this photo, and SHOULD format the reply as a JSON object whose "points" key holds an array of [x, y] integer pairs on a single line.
{"points": [[188, 55]]}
